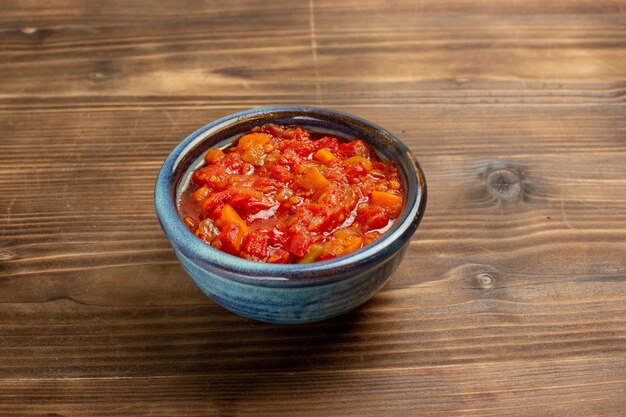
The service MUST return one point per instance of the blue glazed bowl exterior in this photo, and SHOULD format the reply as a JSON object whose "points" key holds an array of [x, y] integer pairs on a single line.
{"points": [[292, 304], [294, 293]]}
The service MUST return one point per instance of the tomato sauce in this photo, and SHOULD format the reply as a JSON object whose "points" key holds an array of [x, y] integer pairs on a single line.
{"points": [[282, 194]]}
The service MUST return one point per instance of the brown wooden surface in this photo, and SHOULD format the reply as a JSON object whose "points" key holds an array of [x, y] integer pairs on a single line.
{"points": [[512, 297]]}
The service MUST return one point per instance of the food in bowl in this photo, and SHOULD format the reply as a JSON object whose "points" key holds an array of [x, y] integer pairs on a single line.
{"points": [[285, 194], [295, 292]]}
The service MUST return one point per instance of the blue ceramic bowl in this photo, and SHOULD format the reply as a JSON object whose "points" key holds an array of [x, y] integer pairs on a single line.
{"points": [[294, 293]]}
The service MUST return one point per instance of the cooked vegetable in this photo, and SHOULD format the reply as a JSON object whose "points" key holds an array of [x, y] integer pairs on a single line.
{"points": [[229, 216], [286, 195], [314, 180], [213, 155], [390, 202], [324, 155]]}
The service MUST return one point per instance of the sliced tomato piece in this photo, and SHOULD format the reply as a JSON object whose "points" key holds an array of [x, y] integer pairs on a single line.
{"points": [[303, 148], [201, 176], [256, 244], [330, 218], [214, 202], [280, 174], [355, 173], [232, 162], [277, 237], [239, 200], [231, 238], [355, 148], [327, 142], [372, 217], [298, 244]]}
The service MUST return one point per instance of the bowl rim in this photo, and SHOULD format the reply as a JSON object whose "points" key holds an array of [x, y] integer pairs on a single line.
{"points": [[287, 275]]}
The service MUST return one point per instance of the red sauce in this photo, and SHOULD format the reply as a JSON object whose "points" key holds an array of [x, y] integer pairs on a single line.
{"points": [[285, 195]]}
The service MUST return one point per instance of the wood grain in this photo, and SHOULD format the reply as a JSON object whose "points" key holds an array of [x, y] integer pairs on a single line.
{"points": [[511, 299]]}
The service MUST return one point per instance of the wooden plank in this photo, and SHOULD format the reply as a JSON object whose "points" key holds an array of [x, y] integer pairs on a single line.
{"points": [[405, 55], [548, 388]]}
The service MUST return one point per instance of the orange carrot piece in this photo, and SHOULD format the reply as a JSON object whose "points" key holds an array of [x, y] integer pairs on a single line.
{"points": [[324, 155], [314, 180], [213, 155], [391, 203], [252, 147], [230, 216], [252, 139]]}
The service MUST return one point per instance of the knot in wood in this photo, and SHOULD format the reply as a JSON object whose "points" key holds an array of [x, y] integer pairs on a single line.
{"points": [[484, 281], [504, 184], [6, 255]]}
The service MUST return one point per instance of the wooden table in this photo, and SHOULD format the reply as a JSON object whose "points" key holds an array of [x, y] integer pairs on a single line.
{"points": [[510, 302]]}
